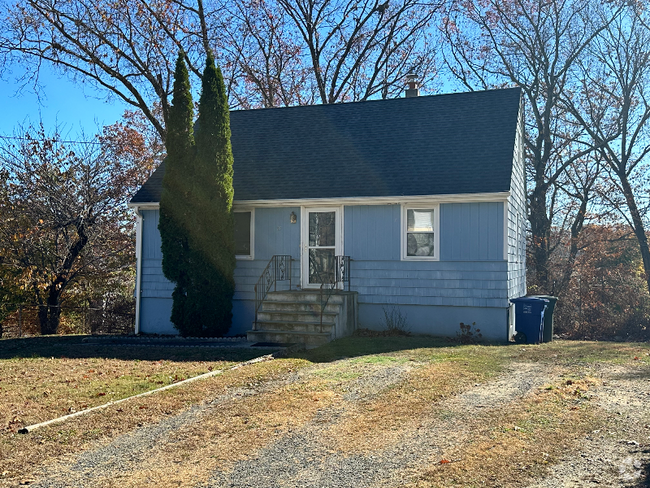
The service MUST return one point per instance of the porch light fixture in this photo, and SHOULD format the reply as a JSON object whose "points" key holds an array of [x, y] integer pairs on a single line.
{"points": [[292, 218]]}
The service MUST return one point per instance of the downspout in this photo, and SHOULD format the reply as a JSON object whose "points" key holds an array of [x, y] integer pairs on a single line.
{"points": [[138, 267]]}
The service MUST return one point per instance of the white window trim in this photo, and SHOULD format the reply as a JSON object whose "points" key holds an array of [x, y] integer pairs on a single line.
{"points": [[250, 256], [436, 231]]}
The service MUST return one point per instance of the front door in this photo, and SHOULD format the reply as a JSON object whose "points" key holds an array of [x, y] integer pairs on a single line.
{"points": [[321, 239]]}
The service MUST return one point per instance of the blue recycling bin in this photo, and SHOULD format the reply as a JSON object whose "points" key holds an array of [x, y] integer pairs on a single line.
{"points": [[547, 335], [529, 319]]}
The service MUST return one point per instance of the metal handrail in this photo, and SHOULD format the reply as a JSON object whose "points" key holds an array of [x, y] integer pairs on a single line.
{"points": [[342, 270], [277, 269], [341, 275]]}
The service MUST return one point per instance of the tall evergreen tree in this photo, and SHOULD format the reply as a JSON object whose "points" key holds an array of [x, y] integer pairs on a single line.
{"points": [[175, 208], [212, 245]]}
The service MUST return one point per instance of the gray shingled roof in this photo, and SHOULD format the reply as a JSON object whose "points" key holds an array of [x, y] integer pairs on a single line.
{"points": [[433, 145]]}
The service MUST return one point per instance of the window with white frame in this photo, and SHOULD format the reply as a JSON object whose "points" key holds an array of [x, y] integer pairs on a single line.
{"points": [[244, 234], [420, 232]]}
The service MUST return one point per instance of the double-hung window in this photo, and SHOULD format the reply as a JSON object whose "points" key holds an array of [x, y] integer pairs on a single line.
{"points": [[244, 235], [420, 227]]}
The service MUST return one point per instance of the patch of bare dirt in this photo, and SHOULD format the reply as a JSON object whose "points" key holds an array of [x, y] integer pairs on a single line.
{"points": [[617, 454]]}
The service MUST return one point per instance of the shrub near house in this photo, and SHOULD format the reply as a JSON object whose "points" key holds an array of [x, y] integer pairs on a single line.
{"points": [[196, 222]]}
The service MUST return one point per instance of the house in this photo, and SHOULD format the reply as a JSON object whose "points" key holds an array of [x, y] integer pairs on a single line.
{"points": [[415, 205]]}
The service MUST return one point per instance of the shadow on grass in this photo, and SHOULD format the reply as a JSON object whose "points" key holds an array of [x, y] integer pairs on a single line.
{"points": [[356, 346], [586, 351], [349, 347], [564, 351], [643, 373], [73, 347]]}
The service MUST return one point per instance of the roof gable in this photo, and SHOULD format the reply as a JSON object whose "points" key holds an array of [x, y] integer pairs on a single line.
{"points": [[433, 145]]}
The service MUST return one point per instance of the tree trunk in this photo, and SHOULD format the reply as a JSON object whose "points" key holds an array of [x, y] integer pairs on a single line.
{"points": [[637, 226], [42, 318], [540, 227], [576, 228], [49, 315]]}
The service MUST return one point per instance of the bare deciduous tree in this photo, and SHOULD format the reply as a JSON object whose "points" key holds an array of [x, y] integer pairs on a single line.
{"points": [[534, 44], [267, 57], [64, 213], [122, 47], [272, 52], [359, 49], [612, 104]]}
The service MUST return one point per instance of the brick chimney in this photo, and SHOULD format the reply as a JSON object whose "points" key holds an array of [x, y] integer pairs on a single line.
{"points": [[412, 90]]}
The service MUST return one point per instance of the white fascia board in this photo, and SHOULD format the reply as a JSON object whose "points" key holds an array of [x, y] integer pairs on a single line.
{"points": [[144, 206], [394, 200], [408, 200]]}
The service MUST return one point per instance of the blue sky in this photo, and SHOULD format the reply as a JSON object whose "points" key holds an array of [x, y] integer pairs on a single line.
{"points": [[62, 102]]}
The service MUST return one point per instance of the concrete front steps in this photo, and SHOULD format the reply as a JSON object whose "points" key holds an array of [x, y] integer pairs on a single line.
{"points": [[294, 317]]}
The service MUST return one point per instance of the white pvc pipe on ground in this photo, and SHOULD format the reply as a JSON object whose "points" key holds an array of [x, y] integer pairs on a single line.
{"points": [[30, 428]]}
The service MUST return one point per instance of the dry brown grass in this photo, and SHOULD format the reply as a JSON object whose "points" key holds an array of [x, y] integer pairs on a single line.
{"points": [[584, 352], [233, 431], [513, 446], [239, 426], [37, 389], [227, 434], [21, 454]]}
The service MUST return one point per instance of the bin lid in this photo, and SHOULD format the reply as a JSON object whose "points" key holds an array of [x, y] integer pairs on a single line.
{"points": [[550, 298], [528, 300]]}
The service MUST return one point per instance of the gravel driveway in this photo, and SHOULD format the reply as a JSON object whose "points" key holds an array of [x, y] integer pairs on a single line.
{"points": [[615, 456], [618, 455]]}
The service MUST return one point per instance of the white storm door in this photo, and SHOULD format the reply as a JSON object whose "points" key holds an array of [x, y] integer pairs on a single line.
{"points": [[321, 242]]}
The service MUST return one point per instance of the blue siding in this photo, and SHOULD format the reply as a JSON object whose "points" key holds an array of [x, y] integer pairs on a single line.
{"points": [[274, 234], [471, 231], [150, 235], [155, 313], [156, 290], [153, 284], [471, 272], [372, 232], [517, 220], [468, 284], [443, 321]]}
